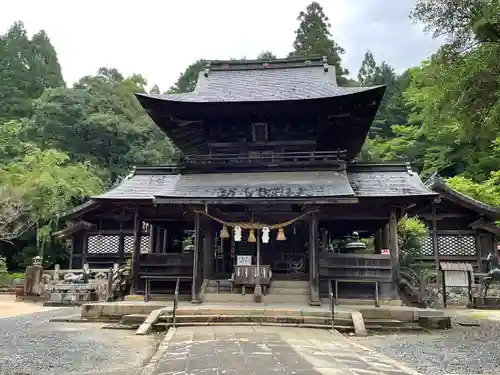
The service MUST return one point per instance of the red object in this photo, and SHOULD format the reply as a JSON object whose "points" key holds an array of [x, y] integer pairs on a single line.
{"points": [[19, 291], [385, 252]]}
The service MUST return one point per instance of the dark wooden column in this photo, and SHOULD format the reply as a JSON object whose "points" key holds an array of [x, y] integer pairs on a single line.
{"points": [[121, 246], [153, 230], [313, 260], [435, 245], [159, 240], [197, 261], [208, 250], [136, 253], [393, 242], [379, 235], [386, 237], [166, 244]]}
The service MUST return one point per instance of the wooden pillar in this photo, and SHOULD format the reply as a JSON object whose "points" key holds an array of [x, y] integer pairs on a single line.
{"points": [[152, 238], [393, 242], [166, 244], [136, 253], [435, 245], [324, 240], [197, 258], [378, 242], [313, 260], [159, 240], [208, 251], [121, 246], [386, 237]]}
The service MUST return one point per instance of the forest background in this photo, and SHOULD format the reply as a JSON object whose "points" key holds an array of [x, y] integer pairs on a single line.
{"points": [[60, 144]]}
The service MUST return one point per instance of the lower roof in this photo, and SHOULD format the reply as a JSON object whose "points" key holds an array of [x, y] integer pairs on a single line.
{"points": [[358, 181]]}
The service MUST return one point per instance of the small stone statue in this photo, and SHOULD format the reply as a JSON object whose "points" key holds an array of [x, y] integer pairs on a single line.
{"points": [[493, 272]]}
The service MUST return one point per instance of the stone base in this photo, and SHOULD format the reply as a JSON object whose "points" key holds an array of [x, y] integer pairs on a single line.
{"points": [[435, 322], [257, 293]]}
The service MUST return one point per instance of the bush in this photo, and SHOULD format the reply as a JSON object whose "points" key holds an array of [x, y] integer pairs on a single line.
{"points": [[412, 234]]}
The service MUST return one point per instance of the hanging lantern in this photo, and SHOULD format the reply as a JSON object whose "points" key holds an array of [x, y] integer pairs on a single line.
{"points": [[237, 233], [281, 235], [265, 235], [224, 233], [251, 236]]}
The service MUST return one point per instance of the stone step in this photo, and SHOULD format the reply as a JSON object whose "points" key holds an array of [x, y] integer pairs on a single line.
{"points": [[227, 297], [134, 318], [291, 291], [120, 326], [289, 284], [286, 298], [234, 318]]}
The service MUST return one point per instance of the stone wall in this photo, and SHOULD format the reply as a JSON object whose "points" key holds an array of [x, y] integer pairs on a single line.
{"points": [[459, 296]]}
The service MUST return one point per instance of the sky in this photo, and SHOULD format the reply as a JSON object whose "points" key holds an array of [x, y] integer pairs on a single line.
{"points": [[160, 38]]}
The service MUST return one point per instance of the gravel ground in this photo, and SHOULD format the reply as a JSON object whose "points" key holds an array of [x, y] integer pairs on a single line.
{"points": [[461, 350], [30, 345]]}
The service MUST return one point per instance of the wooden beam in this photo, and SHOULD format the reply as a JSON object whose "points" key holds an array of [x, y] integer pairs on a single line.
{"points": [[435, 247], [393, 235], [208, 250]]}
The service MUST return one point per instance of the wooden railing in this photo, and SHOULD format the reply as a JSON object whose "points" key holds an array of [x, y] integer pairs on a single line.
{"points": [[266, 158]]}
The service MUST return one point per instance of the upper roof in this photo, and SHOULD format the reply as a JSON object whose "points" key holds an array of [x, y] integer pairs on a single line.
{"points": [[437, 184], [360, 180], [259, 81]]}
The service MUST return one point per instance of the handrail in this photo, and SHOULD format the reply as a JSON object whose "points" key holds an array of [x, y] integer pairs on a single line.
{"points": [[332, 311], [176, 301]]}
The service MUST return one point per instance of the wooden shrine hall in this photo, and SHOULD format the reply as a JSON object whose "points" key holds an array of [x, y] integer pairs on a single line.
{"points": [[267, 188]]}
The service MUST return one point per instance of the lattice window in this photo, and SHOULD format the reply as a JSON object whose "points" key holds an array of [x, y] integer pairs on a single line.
{"points": [[426, 249], [103, 244], [145, 244], [129, 244], [457, 245]]}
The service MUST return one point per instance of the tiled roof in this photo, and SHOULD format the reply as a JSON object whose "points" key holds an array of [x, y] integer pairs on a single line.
{"points": [[276, 185], [383, 181], [308, 82], [360, 182]]}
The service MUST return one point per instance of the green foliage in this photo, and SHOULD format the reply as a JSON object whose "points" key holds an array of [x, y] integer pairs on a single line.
{"points": [[412, 234], [313, 37]]}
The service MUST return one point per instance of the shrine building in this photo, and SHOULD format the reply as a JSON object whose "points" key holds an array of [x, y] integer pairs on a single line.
{"points": [[267, 194]]}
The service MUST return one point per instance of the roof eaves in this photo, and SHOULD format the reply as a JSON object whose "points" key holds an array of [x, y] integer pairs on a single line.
{"points": [[435, 182]]}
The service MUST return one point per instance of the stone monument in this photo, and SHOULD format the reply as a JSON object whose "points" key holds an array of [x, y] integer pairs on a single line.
{"points": [[34, 278]]}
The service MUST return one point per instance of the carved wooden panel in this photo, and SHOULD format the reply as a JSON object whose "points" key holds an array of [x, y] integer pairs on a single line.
{"points": [[453, 245], [103, 244]]}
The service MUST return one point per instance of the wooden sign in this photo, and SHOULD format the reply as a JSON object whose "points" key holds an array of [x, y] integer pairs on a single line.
{"points": [[385, 252]]}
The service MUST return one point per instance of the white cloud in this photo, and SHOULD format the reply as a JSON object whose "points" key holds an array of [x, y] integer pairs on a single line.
{"points": [[159, 39]]}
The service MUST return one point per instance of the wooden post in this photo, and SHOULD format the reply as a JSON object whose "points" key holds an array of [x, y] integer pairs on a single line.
{"points": [[208, 251], [435, 247], [393, 231], [386, 237], [121, 246], [313, 261], [257, 295], [378, 242], [324, 240], [159, 240], [152, 238], [167, 244], [136, 253], [198, 243]]}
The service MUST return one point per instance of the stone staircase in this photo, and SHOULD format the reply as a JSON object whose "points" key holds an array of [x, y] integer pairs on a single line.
{"points": [[216, 317], [288, 291], [281, 291]]}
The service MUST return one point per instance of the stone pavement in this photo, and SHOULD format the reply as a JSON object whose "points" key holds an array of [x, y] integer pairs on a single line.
{"points": [[266, 350]]}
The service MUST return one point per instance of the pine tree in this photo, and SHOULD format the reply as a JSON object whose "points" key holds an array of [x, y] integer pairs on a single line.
{"points": [[313, 37], [45, 64], [368, 72], [266, 56]]}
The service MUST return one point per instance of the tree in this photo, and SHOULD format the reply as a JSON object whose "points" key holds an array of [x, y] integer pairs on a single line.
{"points": [[187, 80], [155, 90], [313, 37], [368, 71], [266, 56]]}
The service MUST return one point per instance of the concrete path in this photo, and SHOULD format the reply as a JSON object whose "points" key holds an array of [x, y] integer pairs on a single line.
{"points": [[259, 350]]}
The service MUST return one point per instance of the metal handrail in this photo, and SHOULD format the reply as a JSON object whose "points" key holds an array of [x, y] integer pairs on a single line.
{"points": [[176, 301], [332, 310]]}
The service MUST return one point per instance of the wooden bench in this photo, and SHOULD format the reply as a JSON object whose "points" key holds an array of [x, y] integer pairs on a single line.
{"points": [[247, 276], [358, 281], [155, 277]]}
